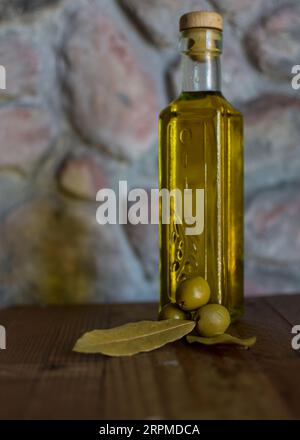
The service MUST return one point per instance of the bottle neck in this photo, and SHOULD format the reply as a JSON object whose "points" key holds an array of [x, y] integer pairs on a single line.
{"points": [[200, 61]]}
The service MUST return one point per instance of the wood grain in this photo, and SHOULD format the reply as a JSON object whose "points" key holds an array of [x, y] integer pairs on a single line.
{"points": [[41, 378]]}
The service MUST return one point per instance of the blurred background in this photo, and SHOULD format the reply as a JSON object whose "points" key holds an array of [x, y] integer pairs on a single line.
{"points": [[85, 82]]}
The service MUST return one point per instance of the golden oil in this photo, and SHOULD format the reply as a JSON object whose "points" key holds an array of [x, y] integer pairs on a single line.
{"points": [[201, 147]]}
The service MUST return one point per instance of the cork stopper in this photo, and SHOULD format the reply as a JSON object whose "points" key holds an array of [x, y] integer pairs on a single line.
{"points": [[201, 19]]}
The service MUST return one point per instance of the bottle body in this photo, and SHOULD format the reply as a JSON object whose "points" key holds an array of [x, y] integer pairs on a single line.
{"points": [[201, 148]]}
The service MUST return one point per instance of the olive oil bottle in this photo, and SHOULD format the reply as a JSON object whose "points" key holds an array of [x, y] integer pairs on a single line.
{"points": [[201, 150]]}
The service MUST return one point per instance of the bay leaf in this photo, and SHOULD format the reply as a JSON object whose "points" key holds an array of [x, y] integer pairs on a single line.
{"points": [[222, 339], [134, 337]]}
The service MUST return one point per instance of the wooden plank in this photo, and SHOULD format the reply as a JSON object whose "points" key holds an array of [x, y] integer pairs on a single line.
{"points": [[285, 372], [273, 353], [230, 381], [42, 378], [29, 337], [288, 306], [39, 361]]}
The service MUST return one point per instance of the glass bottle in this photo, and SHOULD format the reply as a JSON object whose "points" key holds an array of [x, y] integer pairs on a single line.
{"points": [[201, 150]]}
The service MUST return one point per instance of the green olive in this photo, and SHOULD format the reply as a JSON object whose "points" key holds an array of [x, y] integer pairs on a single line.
{"points": [[193, 293], [171, 311], [212, 320]]}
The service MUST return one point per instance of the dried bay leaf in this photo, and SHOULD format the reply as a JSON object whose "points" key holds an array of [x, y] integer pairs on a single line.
{"points": [[222, 339], [134, 337]]}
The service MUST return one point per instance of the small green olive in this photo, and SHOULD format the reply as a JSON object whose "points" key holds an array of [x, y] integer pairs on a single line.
{"points": [[171, 311], [193, 293], [212, 320]]}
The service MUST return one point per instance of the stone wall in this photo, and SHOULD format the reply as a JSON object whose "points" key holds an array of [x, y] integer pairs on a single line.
{"points": [[85, 82]]}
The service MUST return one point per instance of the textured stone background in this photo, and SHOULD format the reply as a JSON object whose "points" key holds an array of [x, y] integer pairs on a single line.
{"points": [[86, 80]]}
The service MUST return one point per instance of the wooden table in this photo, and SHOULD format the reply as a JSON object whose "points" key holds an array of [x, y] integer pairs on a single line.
{"points": [[40, 377]]}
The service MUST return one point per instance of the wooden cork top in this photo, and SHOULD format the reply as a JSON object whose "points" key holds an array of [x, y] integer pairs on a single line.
{"points": [[201, 19]]}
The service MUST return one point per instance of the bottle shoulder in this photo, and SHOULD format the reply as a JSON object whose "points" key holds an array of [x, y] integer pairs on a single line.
{"points": [[193, 103], [230, 108]]}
